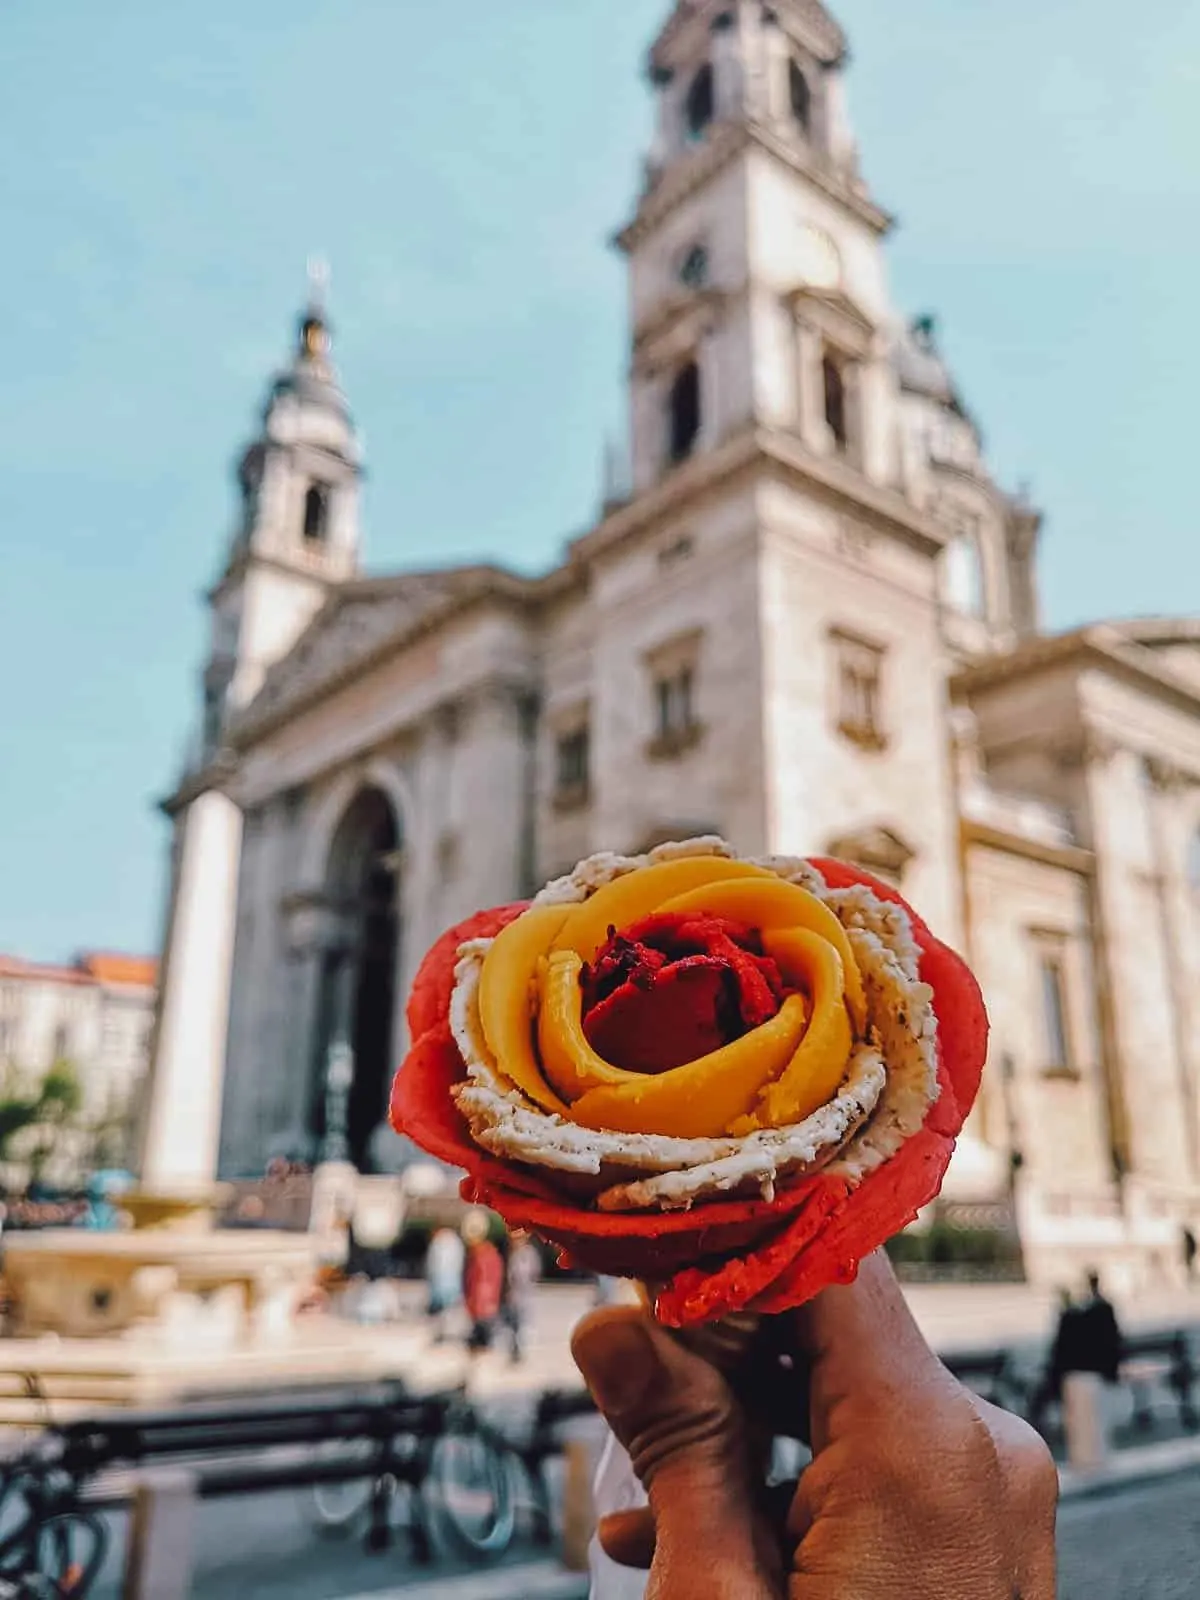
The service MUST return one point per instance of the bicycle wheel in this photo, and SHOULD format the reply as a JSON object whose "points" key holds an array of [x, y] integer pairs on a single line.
{"points": [[470, 1492], [338, 1507], [71, 1550]]}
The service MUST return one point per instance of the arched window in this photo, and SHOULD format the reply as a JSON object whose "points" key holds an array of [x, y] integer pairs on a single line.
{"points": [[700, 103], [683, 413], [964, 576], [693, 270], [316, 514], [800, 95], [835, 401]]}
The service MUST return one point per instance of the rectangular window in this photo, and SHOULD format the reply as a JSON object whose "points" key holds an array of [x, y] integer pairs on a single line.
{"points": [[573, 760], [572, 766], [858, 680], [674, 700], [675, 723], [1054, 1014], [62, 1042], [671, 669]]}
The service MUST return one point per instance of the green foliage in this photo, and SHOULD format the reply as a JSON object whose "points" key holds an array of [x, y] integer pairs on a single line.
{"points": [[52, 1105], [16, 1114], [945, 1244], [61, 1096]]}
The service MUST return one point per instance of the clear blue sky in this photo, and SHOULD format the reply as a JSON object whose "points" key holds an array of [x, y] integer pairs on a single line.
{"points": [[169, 168]]}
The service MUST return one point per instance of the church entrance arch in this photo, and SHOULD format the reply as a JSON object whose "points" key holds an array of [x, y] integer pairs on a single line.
{"points": [[358, 977]]}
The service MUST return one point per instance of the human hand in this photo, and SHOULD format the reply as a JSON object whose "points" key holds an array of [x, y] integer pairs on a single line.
{"points": [[916, 1487]]}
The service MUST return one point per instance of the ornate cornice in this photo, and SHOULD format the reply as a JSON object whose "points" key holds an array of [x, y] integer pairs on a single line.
{"points": [[840, 485], [688, 173], [680, 180], [1100, 645], [369, 622], [215, 774], [1068, 857]]}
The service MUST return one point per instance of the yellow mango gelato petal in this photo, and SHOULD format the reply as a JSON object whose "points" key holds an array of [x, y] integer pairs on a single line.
{"points": [[702, 1098], [773, 906], [508, 1000], [637, 895], [815, 1072]]}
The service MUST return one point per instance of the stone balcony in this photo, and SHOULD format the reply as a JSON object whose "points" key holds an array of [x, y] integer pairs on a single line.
{"points": [[1024, 815]]}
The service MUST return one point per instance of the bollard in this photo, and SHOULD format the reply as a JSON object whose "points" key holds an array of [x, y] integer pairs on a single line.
{"points": [[1085, 1421], [162, 1531]]}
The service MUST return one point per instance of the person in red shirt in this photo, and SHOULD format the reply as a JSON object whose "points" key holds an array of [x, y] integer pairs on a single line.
{"points": [[483, 1281]]}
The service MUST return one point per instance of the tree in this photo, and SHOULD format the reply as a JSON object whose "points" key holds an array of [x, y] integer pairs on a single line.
{"points": [[61, 1095], [52, 1106]]}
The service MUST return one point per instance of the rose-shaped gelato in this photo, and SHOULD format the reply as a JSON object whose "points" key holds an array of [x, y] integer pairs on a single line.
{"points": [[730, 1078]]}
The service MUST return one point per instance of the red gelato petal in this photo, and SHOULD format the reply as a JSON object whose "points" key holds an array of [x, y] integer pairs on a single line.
{"points": [[423, 1108], [429, 1002], [958, 1003], [679, 934], [880, 1207], [676, 1015], [696, 1295]]}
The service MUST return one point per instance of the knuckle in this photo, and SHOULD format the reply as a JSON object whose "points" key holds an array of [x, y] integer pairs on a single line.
{"points": [[700, 1425], [1033, 1474]]}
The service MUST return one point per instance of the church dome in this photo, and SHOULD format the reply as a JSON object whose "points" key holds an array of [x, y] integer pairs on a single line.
{"points": [[921, 368]]}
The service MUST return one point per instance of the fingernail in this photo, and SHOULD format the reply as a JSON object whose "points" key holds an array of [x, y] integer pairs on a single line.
{"points": [[620, 1363]]}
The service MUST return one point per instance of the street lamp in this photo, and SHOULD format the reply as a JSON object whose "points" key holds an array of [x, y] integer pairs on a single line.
{"points": [[339, 1079]]}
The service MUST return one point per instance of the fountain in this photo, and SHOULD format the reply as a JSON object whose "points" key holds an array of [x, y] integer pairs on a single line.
{"points": [[175, 1307]]}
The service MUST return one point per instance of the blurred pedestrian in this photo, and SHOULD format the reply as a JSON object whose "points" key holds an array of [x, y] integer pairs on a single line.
{"points": [[1100, 1341], [1188, 1242], [483, 1281], [1087, 1339], [522, 1271], [443, 1279]]}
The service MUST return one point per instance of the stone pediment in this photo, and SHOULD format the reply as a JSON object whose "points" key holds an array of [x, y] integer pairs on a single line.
{"points": [[1173, 641], [876, 849], [353, 628], [835, 314]]}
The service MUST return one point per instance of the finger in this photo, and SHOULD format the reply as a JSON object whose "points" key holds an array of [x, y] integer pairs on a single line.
{"points": [[627, 1537], [863, 1345], [1030, 1480], [686, 1437]]}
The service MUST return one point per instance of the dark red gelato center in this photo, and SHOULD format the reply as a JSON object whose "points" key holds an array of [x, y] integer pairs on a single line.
{"points": [[675, 987]]}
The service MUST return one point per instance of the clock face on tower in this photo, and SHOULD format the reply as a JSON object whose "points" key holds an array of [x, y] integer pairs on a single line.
{"points": [[820, 264]]}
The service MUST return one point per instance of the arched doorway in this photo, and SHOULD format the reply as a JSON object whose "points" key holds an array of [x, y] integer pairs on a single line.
{"points": [[358, 973]]}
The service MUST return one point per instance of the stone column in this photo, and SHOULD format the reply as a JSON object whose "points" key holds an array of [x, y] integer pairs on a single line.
{"points": [[182, 1128], [313, 931]]}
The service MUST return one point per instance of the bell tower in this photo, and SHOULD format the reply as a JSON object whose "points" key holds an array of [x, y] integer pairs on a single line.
{"points": [[297, 530], [295, 539], [757, 281]]}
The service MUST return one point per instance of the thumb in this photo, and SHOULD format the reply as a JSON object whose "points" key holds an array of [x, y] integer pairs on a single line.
{"points": [[686, 1436]]}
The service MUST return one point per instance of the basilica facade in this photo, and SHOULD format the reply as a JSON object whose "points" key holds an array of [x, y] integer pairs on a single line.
{"points": [[808, 621]]}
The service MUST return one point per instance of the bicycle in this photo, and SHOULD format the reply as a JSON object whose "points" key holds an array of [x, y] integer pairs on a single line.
{"points": [[458, 1484], [498, 1473], [51, 1548]]}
